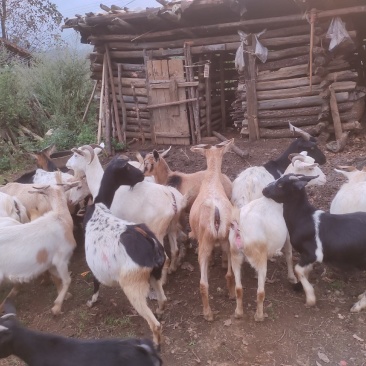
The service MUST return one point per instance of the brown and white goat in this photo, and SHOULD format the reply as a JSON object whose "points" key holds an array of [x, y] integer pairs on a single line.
{"points": [[155, 165], [210, 218]]}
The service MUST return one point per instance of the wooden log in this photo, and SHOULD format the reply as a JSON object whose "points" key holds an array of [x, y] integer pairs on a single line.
{"points": [[89, 101], [355, 113], [130, 99], [298, 102], [119, 41], [268, 133], [133, 114], [279, 64], [284, 73], [114, 98], [101, 103], [128, 74], [222, 93], [135, 121], [122, 103], [131, 134], [340, 138], [170, 104], [138, 114], [193, 107], [297, 121], [106, 108], [288, 93], [218, 28], [347, 126], [286, 83], [289, 52], [241, 153]]}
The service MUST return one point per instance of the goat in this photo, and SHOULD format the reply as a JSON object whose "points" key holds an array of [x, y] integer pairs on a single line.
{"points": [[319, 236], [12, 208], [118, 251], [161, 205], [37, 349], [352, 195], [210, 218], [259, 232], [156, 166], [250, 182], [45, 244]]}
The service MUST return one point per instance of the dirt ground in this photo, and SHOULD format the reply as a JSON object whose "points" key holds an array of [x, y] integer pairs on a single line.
{"points": [[292, 334]]}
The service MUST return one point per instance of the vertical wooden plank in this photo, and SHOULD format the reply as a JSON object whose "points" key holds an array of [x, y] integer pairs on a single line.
{"points": [[208, 102], [249, 74], [222, 95], [167, 124], [122, 102], [101, 103], [148, 68], [192, 107], [107, 119], [114, 99]]}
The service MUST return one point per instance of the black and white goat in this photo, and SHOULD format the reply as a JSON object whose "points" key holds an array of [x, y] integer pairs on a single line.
{"points": [[40, 349], [249, 184], [120, 252], [319, 236]]}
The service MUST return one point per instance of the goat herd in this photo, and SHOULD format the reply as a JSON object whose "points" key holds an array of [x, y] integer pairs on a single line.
{"points": [[136, 205]]}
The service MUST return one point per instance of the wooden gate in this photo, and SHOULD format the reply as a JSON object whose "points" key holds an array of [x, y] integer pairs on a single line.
{"points": [[167, 95]]}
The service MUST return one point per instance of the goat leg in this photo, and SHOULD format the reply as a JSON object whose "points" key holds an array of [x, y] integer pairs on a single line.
{"points": [[302, 273], [95, 296], [287, 248]]}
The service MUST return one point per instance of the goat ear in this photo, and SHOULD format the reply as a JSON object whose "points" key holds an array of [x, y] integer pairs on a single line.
{"points": [[300, 184], [156, 155]]}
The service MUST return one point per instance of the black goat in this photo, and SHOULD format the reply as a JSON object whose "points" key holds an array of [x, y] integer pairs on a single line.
{"points": [[44, 349], [319, 236], [250, 182]]}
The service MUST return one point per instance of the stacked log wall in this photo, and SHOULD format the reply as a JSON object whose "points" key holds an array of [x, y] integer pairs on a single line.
{"points": [[284, 93]]}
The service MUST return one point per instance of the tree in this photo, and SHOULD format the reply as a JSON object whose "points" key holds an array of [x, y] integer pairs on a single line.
{"points": [[31, 24]]}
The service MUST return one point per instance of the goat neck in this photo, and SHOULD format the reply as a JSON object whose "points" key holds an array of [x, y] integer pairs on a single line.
{"points": [[278, 166], [214, 163], [94, 174], [162, 172]]}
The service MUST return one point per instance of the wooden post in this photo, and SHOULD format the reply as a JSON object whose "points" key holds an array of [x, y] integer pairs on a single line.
{"points": [[123, 104], [107, 114], [90, 100], [208, 98], [222, 95], [242, 153], [312, 21], [114, 99], [335, 114], [152, 126], [101, 102], [249, 74], [138, 114], [189, 77]]}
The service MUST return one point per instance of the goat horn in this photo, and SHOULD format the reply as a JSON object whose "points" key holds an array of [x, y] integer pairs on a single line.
{"points": [[6, 316], [91, 151], [164, 152], [347, 168], [305, 135], [77, 151]]}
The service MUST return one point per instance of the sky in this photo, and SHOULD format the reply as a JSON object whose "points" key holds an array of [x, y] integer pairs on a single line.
{"points": [[68, 8]]}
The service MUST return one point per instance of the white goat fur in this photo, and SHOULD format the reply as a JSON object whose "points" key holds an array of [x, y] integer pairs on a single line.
{"points": [[157, 206], [249, 184], [351, 197], [259, 232], [210, 218], [45, 244], [11, 207]]}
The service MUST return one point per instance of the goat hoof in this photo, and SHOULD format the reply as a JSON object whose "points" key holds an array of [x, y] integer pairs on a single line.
{"points": [[293, 280], [238, 314], [208, 316], [310, 303], [258, 318], [56, 310], [159, 314]]}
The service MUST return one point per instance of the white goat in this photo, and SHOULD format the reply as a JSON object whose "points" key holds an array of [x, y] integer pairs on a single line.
{"points": [[157, 206], [210, 218], [45, 244], [259, 231], [352, 195], [12, 208]]}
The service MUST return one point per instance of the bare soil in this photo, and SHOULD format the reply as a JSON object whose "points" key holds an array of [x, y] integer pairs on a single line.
{"points": [[327, 334]]}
